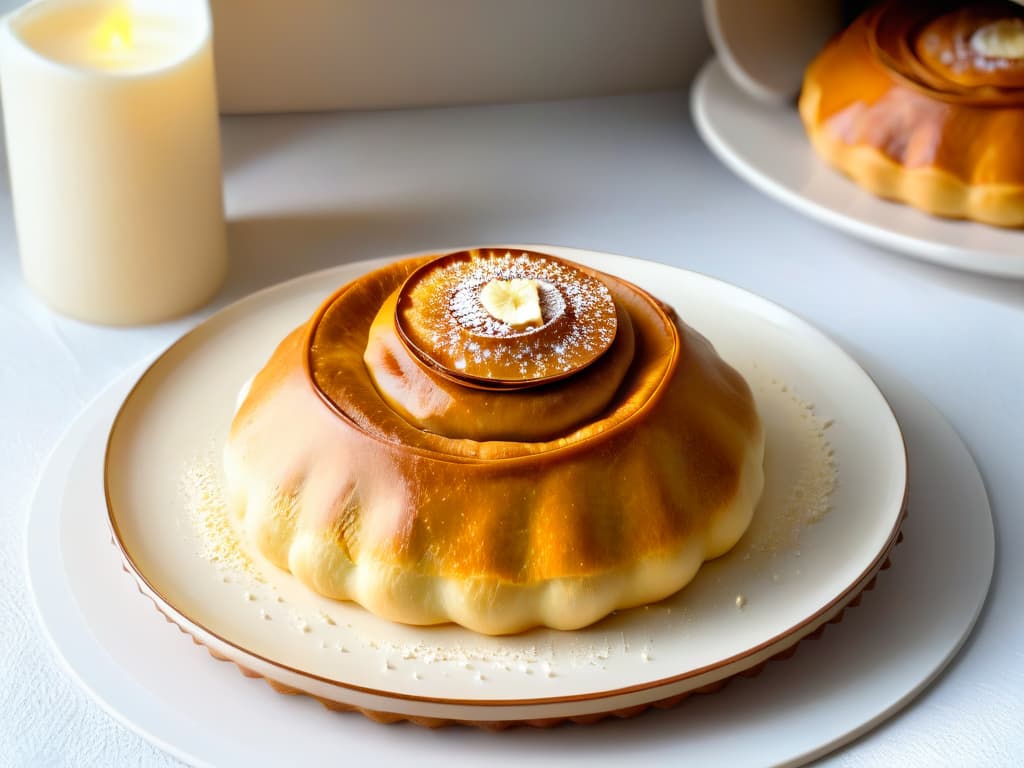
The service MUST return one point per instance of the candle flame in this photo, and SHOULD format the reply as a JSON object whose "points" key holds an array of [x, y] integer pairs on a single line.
{"points": [[115, 31]]}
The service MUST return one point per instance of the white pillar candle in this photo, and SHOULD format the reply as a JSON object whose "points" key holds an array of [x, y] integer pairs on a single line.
{"points": [[110, 110]]}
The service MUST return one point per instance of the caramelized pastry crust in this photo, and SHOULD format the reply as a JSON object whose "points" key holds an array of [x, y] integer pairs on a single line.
{"points": [[427, 504], [444, 321], [924, 103]]}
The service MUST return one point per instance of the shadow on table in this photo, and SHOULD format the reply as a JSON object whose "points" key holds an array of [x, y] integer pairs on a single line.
{"points": [[265, 251], [1006, 290], [245, 138]]}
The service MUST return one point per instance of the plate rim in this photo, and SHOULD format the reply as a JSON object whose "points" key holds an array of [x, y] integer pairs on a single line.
{"points": [[802, 629]]}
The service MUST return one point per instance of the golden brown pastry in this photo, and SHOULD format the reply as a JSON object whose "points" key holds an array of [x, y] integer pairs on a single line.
{"points": [[499, 440], [924, 103]]}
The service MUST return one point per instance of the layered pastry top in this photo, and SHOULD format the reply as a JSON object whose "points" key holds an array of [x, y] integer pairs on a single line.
{"points": [[504, 320], [921, 102], [499, 439]]}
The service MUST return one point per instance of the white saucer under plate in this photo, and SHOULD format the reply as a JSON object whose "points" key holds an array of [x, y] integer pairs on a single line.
{"points": [[765, 145], [147, 675]]}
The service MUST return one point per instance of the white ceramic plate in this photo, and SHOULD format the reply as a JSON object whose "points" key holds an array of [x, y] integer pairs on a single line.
{"points": [[766, 146], [789, 580], [145, 673]]}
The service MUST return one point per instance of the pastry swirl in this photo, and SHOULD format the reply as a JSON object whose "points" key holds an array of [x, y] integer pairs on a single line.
{"points": [[441, 317], [923, 103]]}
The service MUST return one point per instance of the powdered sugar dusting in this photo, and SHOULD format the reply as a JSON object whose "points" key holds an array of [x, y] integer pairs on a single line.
{"points": [[579, 317], [204, 502]]}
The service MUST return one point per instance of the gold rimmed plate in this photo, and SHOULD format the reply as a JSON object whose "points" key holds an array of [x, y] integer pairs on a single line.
{"points": [[784, 581]]}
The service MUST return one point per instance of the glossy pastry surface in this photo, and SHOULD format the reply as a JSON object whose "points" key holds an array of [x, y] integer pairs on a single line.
{"points": [[373, 476]]}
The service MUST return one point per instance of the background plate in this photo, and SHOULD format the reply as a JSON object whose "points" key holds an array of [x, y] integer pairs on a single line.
{"points": [[765, 145], [780, 584]]}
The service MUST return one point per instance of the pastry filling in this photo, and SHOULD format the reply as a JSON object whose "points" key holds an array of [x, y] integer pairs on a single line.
{"points": [[1003, 39], [514, 302]]}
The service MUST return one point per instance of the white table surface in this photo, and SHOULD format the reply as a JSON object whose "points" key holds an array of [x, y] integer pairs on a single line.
{"points": [[625, 175]]}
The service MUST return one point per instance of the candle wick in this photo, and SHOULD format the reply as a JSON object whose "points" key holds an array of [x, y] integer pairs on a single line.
{"points": [[115, 32]]}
